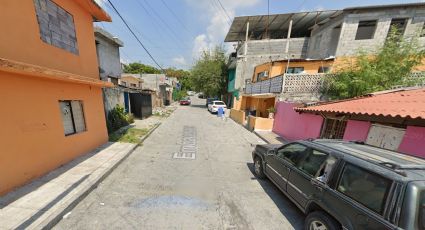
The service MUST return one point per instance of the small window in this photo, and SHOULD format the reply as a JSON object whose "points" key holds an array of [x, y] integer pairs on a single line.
{"points": [[133, 85], [365, 187], [334, 129], [72, 117], [398, 24], [366, 30], [324, 69], [312, 163], [295, 70], [293, 153], [262, 75]]}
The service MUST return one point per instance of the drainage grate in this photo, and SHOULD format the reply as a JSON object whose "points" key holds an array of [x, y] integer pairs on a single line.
{"points": [[188, 150]]}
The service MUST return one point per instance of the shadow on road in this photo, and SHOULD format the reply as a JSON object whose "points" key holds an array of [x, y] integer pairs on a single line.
{"points": [[202, 106], [286, 207]]}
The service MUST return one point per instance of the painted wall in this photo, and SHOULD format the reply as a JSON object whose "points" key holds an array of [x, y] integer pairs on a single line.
{"points": [[109, 57], [19, 22], [279, 67], [413, 142], [356, 130], [238, 116], [32, 134], [294, 126]]}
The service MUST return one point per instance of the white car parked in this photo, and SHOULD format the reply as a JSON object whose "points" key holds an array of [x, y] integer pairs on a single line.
{"points": [[213, 107]]}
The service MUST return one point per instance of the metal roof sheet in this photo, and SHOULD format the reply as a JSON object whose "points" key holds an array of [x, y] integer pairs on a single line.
{"points": [[403, 103], [301, 23]]}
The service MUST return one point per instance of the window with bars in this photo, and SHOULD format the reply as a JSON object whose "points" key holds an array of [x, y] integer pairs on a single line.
{"points": [[72, 117], [334, 129]]}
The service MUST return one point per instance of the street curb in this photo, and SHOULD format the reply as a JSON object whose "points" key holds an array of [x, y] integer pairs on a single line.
{"points": [[262, 138], [51, 223]]}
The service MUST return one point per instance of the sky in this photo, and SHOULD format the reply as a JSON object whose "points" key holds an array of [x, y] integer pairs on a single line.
{"points": [[176, 31]]}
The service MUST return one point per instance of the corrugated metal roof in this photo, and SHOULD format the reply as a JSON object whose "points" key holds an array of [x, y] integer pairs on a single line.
{"points": [[301, 23], [403, 103]]}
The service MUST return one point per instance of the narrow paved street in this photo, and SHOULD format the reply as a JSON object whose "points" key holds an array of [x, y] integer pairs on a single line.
{"points": [[161, 186]]}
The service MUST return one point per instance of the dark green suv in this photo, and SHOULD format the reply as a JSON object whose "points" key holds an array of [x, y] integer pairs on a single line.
{"points": [[347, 185]]}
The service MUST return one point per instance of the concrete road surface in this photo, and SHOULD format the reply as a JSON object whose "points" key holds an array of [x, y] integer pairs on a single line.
{"points": [[194, 172]]}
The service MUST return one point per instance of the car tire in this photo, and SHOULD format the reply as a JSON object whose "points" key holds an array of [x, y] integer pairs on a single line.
{"points": [[258, 168], [320, 220]]}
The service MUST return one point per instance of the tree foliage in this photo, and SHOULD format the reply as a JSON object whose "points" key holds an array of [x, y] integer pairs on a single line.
{"points": [[182, 75], [208, 75], [137, 68], [390, 67]]}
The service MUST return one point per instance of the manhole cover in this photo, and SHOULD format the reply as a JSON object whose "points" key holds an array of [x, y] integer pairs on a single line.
{"points": [[188, 149]]}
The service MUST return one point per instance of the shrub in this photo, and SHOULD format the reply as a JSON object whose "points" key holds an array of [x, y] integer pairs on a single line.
{"points": [[118, 118]]}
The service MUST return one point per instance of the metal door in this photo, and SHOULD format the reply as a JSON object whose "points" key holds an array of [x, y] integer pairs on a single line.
{"points": [[385, 136]]}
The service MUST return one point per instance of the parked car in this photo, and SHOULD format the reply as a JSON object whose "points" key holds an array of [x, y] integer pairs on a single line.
{"points": [[185, 101], [190, 93], [213, 107], [210, 100], [201, 95], [347, 185]]}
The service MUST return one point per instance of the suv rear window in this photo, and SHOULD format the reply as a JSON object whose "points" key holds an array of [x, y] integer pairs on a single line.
{"points": [[218, 103], [365, 187]]}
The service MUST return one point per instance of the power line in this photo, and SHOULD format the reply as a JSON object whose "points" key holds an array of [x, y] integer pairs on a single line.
{"points": [[162, 20], [135, 36], [225, 11], [175, 15]]}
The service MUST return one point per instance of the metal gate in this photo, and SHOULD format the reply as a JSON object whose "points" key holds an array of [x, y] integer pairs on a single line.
{"points": [[141, 104]]}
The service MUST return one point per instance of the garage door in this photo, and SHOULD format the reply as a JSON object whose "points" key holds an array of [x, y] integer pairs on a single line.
{"points": [[385, 136]]}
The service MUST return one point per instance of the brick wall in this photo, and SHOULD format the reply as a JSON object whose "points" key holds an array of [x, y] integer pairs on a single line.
{"points": [[56, 25]]}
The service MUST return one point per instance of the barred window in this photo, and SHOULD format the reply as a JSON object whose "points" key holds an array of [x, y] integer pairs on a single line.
{"points": [[72, 117]]}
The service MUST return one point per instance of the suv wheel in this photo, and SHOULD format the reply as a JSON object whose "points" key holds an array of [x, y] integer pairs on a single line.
{"points": [[320, 221], [258, 168]]}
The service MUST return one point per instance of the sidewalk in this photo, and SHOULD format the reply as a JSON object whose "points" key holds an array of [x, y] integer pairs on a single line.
{"points": [[271, 137], [41, 203]]}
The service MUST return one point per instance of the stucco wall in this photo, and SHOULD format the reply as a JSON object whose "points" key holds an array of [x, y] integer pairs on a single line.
{"points": [[23, 42], [32, 134], [238, 116], [113, 97], [294, 126], [413, 142], [356, 130]]}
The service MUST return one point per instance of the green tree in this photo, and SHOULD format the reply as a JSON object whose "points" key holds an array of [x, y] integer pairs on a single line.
{"points": [[208, 75], [182, 75], [137, 68], [390, 67]]}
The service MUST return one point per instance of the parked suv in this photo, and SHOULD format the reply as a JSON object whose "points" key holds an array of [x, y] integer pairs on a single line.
{"points": [[347, 185]]}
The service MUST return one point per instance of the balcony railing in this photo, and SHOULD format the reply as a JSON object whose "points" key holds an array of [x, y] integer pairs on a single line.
{"points": [[287, 83]]}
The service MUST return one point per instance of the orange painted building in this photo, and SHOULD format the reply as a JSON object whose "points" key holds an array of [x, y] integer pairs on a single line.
{"points": [[276, 68], [52, 109]]}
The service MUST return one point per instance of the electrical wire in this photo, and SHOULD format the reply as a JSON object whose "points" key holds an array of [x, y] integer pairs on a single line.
{"points": [[135, 36], [225, 11], [175, 15]]}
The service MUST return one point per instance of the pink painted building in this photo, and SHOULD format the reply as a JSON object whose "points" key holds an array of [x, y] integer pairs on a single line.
{"points": [[295, 126]]}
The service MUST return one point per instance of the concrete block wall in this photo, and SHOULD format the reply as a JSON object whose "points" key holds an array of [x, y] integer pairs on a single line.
{"points": [[348, 46], [327, 37], [56, 25], [262, 51], [109, 58]]}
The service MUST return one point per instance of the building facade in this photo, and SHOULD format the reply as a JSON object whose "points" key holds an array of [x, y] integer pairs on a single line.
{"points": [[49, 78]]}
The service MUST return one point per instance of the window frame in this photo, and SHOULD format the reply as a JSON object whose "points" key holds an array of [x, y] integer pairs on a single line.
{"points": [[298, 166], [386, 196], [69, 102], [293, 68], [366, 21], [287, 159]]}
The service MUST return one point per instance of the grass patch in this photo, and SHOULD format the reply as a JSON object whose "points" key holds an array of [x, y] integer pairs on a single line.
{"points": [[131, 135]]}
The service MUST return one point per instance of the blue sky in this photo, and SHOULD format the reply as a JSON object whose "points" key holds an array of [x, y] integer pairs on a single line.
{"points": [[175, 31]]}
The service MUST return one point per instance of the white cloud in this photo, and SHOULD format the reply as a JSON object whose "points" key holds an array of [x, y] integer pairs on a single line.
{"points": [[180, 60], [99, 2], [218, 22]]}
